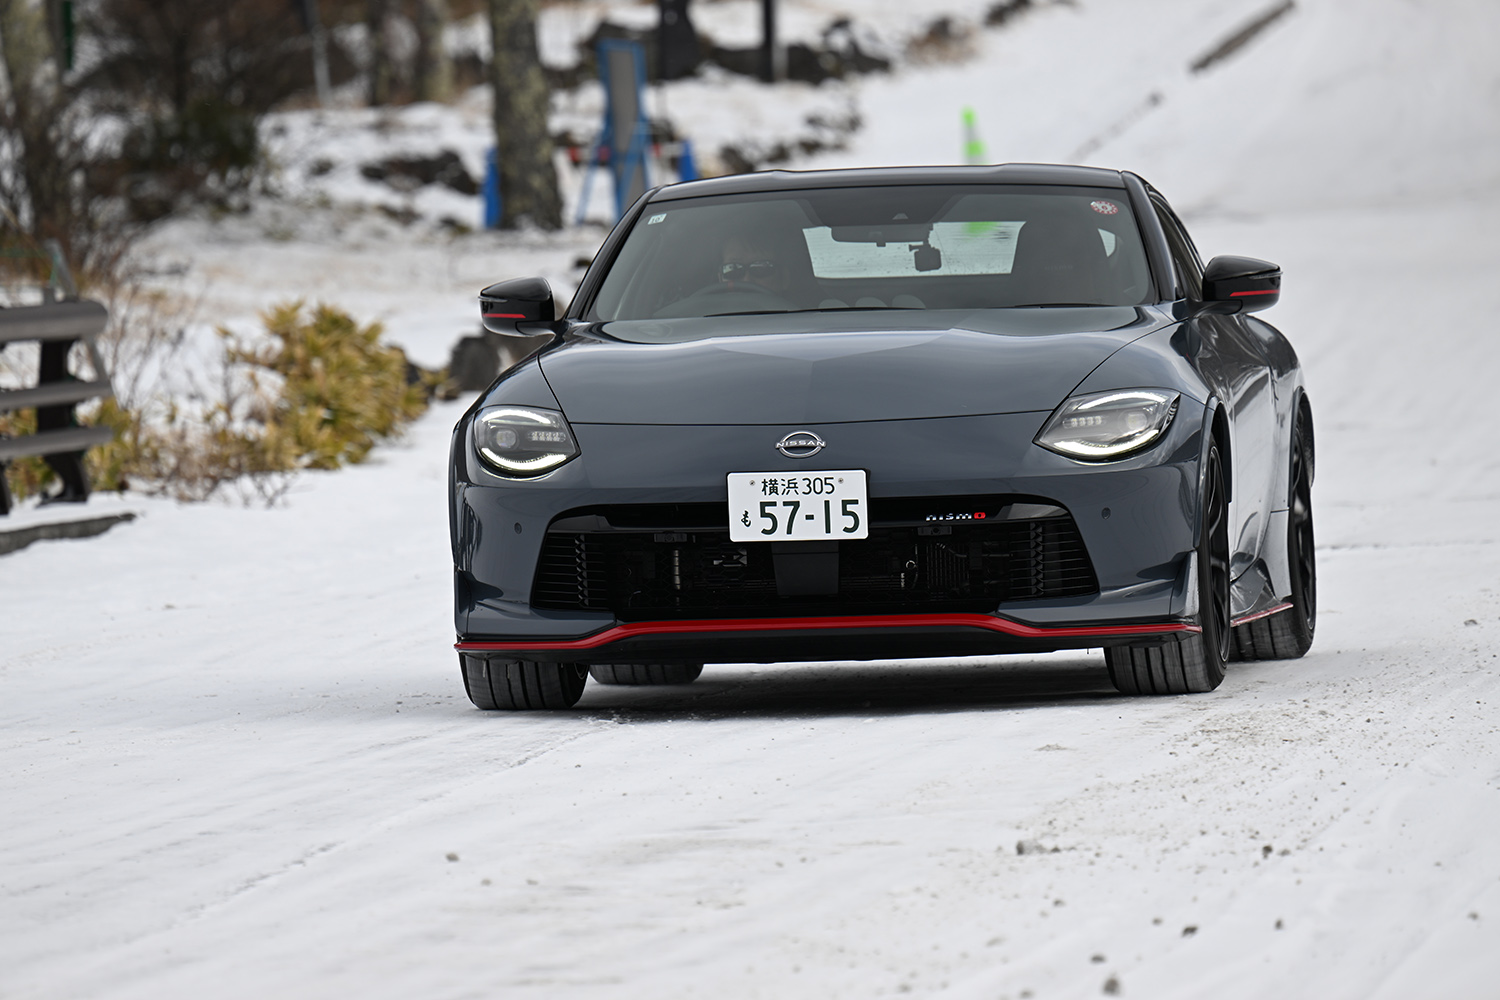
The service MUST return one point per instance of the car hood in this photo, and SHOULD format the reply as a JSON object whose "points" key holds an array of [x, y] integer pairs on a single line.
{"points": [[832, 367]]}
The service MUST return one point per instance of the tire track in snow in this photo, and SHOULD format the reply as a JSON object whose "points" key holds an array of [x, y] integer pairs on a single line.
{"points": [[144, 955], [376, 832]]}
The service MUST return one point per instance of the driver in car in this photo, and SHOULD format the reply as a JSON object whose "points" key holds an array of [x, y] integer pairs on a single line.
{"points": [[749, 260]]}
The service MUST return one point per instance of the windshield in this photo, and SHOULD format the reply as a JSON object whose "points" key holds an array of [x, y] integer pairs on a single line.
{"points": [[919, 247]]}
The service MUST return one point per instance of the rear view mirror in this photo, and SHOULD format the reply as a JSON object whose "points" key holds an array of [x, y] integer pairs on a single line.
{"points": [[504, 305], [1249, 283]]}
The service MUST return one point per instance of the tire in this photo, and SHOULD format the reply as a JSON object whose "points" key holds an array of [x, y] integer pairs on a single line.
{"points": [[1195, 662], [521, 685], [1288, 634], [646, 673]]}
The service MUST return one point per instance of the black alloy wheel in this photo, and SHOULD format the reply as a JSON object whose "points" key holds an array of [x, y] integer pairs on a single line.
{"points": [[644, 674], [1288, 635], [521, 685], [1213, 601], [1194, 663]]}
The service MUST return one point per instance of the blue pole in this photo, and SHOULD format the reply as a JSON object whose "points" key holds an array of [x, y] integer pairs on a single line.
{"points": [[492, 200]]}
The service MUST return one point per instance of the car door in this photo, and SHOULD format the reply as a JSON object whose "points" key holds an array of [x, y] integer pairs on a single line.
{"points": [[1230, 360]]}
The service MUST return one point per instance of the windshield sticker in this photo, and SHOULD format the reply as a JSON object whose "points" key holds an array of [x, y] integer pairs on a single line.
{"points": [[1105, 207], [657, 218]]}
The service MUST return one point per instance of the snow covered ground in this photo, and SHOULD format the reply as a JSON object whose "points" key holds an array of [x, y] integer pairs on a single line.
{"points": [[207, 790]]}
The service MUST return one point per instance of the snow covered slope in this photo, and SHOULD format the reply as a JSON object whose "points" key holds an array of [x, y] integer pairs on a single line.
{"points": [[236, 760]]}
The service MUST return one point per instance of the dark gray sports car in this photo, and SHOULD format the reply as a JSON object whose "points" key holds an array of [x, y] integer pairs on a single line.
{"points": [[886, 413]]}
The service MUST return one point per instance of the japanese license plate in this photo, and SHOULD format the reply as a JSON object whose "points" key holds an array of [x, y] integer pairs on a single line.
{"points": [[801, 506]]}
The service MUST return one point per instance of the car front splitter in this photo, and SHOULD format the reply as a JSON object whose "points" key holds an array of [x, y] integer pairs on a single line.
{"points": [[844, 637]]}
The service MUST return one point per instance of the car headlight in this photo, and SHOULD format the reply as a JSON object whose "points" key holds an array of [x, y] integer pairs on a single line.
{"points": [[523, 440], [1107, 425]]}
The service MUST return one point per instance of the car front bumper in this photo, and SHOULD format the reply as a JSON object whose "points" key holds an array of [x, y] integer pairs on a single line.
{"points": [[1137, 519]]}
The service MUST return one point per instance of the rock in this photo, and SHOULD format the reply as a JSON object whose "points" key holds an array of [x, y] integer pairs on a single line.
{"points": [[407, 173], [736, 162], [474, 363], [1004, 10]]}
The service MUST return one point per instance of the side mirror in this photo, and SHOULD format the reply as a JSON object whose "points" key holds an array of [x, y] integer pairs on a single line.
{"points": [[1249, 283], [505, 304]]}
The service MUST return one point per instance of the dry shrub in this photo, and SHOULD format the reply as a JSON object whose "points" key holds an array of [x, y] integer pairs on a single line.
{"points": [[29, 474], [339, 390]]}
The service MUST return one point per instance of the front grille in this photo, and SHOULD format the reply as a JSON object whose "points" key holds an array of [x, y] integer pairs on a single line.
{"points": [[650, 562]]}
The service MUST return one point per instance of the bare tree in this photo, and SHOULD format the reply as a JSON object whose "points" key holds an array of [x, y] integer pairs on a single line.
{"points": [[434, 70], [528, 178], [45, 158], [378, 79], [32, 98]]}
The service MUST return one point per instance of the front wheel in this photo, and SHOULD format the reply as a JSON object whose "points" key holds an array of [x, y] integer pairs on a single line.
{"points": [[1288, 634], [521, 685], [1194, 663], [646, 673]]}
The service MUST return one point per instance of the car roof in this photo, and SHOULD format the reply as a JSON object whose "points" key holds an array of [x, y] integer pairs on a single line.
{"points": [[801, 180]]}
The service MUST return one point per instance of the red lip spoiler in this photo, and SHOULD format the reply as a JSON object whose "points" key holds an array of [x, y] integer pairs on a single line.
{"points": [[1257, 616], [990, 622]]}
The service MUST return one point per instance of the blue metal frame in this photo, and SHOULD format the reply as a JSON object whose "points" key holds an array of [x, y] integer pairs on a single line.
{"points": [[626, 154]]}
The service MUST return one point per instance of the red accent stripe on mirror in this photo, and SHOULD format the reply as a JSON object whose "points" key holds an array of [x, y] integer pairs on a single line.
{"points": [[1268, 291], [989, 622], [504, 315]]}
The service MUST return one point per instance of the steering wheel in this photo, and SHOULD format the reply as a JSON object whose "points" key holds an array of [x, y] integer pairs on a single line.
{"points": [[755, 298], [742, 288]]}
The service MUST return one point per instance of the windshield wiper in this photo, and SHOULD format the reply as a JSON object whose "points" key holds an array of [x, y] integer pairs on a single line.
{"points": [[836, 309], [1056, 305]]}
